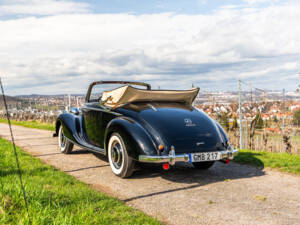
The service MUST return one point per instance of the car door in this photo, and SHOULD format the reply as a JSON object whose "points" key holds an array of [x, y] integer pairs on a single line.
{"points": [[96, 117], [92, 115]]}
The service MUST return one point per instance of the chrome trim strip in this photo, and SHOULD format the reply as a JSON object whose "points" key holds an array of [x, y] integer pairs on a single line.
{"points": [[152, 107], [172, 158]]}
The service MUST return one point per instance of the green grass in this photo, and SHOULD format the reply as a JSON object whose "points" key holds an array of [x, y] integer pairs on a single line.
{"points": [[31, 124], [282, 161], [55, 197]]}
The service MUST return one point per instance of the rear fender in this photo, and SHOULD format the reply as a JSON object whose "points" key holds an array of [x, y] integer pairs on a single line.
{"points": [[136, 138], [71, 125], [223, 134]]}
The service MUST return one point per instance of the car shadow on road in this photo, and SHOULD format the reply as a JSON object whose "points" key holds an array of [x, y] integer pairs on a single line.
{"points": [[187, 174], [100, 156]]}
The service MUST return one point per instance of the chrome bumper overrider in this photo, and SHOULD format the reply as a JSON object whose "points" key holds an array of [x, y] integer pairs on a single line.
{"points": [[173, 157]]}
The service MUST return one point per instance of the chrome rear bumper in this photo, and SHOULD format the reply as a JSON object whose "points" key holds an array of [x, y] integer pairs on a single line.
{"points": [[173, 157]]}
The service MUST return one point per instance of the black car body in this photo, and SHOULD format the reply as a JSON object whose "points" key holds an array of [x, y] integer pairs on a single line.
{"points": [[145, 131]]}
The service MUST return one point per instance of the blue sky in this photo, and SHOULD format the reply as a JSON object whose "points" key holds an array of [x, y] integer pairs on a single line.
{"points": [[158, 6], [59, 46]]}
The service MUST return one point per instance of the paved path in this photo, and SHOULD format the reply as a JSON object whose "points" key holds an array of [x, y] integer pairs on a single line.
{"points": [[225, 194]]}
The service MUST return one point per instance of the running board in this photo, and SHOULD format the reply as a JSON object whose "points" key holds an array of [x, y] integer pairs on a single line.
{"points": [[89, 147]]}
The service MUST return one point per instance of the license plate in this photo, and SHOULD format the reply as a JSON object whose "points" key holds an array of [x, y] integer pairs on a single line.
{"points": [[204, 156]]}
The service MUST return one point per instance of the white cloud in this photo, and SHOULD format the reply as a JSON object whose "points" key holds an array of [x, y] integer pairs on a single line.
{"points": [[41, 7], [63, 53], [202, 2]]}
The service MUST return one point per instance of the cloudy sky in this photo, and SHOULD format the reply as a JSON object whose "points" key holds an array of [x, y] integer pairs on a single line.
{"points": [[60, 46]]}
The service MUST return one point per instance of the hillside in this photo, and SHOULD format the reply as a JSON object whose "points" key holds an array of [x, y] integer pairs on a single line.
{"points": [[10, 100]]}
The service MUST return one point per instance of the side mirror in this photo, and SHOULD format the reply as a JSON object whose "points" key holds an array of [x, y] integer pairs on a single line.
{"points": [[74, 110]]}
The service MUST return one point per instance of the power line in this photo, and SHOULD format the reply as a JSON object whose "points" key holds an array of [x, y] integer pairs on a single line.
{"points": [[15, 151], [256, 89]]}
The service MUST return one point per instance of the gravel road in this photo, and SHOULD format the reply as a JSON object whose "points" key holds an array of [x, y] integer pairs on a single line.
{"points": [[225, 194]]}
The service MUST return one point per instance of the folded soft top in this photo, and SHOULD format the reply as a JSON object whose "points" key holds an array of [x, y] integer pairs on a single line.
{"points": [[127, 94]]}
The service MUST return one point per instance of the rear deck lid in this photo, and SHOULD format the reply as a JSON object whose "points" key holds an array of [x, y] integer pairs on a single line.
{"points": [[182, 126]]}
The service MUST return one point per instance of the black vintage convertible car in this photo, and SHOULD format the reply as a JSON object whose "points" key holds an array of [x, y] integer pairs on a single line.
{"points": [[130, 125]]}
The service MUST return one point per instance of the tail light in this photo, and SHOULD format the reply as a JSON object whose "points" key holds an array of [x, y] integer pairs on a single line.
{"points": [[166, 166]]}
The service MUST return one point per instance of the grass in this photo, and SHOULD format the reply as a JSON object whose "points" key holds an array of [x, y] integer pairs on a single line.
{"points": [[31, 124], [282, 161], [55, 197]]}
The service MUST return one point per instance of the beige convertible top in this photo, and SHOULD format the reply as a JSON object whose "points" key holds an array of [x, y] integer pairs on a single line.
{"points": [[128, 94]]}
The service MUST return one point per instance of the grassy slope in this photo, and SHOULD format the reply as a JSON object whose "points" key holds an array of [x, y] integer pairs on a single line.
{"points": [[282, 161], [31, 124], [55, 197]]}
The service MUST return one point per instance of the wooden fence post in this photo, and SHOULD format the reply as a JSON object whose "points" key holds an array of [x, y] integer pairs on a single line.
{"points": [[293, 152], [261, 143], [256, 147]]}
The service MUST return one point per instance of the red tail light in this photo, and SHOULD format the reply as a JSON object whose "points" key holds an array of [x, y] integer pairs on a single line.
{"points": [[166, 166]]}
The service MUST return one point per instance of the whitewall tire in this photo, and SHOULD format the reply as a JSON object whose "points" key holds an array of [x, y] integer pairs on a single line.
{"points": [[64, 144], [121, 164]]}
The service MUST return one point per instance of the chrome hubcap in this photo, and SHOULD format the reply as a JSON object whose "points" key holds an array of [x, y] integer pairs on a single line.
{"points": [[62, 140], [116, 155]]}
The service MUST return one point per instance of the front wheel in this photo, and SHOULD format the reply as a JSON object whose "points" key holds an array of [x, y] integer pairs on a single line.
{"points": [[203, 165], [121, 164], [64, 144]]}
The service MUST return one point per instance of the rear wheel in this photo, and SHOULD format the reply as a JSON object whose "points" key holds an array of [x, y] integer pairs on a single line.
{"points": [[121, 164], [64, 144], [203, 165]]}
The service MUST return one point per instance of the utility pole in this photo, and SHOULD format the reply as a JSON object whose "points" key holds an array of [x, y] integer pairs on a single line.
{"points": [[77, 102], [283, 118], [69, 101], [251, 97], [246, 134], [47, 105], [240, 114], [298, 89], [43, 107]]}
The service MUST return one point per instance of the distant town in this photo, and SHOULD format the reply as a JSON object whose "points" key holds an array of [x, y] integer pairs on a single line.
{"points": [[268, 103]]}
